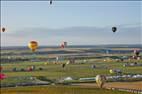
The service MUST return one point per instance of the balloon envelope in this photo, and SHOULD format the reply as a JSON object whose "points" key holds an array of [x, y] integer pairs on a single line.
{"points": [[137, 52], [0, 68], [33, 45], [114, 29], [50, 2], [2, 76], [111, 71], [62, 46], [100, 80], [3, 29]]}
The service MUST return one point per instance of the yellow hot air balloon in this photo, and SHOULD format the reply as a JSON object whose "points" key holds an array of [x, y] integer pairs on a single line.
{"points": [[111, 71], [33, 45]]}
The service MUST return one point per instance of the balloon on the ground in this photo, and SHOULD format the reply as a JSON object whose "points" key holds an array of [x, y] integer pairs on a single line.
{"points": [[63, 65], [45, 63], [111, 71], [137, 52], [2, 76], [100, 80], [0, 68], [40, 68], [93, 66], [68, 62], [33, 45]]}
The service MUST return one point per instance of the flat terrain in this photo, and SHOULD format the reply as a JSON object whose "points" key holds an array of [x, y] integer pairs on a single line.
{"points": [[52, 70], [55, 71], [58, 90], [125, 85]]}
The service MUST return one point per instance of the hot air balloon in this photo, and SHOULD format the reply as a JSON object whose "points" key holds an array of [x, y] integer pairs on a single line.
{"points": [[63, 65], [111, 71], [68, 62], [100, 80], [3, 29], [50, 2], [33, 45], [65, 44], [114, 29], [2, 76], [62, 46], [0, 68], [137, 52]]}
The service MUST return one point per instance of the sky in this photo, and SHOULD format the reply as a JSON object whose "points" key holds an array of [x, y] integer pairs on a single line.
{"points": [[77, 22]]}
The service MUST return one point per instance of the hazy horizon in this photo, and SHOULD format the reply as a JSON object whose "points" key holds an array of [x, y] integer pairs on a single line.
{"points": [[115, 45], [78, 23]]}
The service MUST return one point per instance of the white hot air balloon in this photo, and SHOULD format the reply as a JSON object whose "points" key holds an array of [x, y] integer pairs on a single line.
{"points": [[100, 80], [68, 62]]}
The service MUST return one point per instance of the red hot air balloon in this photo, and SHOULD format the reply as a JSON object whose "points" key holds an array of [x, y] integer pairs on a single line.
{"points": [[62, 46], [2, 76]]}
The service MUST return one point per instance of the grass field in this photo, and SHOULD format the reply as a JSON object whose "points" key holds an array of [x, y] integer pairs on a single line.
{"points": [[55, 72], [58, 90]]}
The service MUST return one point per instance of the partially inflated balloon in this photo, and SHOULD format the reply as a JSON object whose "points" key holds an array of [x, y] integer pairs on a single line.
{"points": [[33, 45], [137, 52], [100, 80], [2, 76]]}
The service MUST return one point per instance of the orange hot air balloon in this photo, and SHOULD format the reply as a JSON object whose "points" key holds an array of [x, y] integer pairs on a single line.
{"points": [[3, 29], [33, 45]]}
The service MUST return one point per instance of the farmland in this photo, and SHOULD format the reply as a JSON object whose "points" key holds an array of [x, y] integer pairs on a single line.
{"points": [[59, 90], [49, 69]]}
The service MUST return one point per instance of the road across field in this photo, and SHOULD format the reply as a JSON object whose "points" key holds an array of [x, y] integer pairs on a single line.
{"points": [[128, 85]]}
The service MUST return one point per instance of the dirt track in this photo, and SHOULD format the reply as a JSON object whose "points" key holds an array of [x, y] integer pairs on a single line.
{"points": [[127, 85]]}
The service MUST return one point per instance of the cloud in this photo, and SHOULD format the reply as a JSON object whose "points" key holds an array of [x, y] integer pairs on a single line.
{"points": [[75, 35]]}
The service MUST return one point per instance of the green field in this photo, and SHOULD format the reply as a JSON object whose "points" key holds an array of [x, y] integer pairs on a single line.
{"points": [[55, 71], [59, 90]]}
